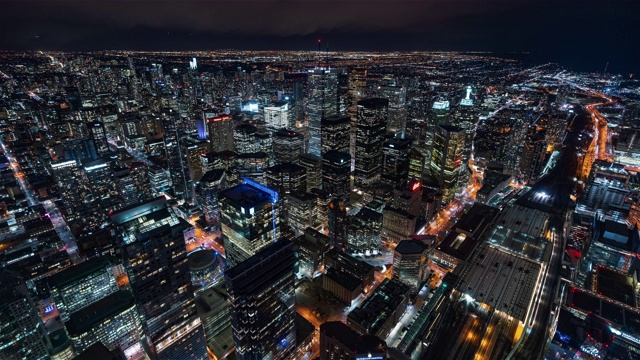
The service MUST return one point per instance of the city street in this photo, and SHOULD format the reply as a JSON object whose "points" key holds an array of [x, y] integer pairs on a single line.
{"points": [[54, 213]]}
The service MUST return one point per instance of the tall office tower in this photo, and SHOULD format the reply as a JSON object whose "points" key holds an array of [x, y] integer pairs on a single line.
{"points": [[287, 178], [262, 303], [446, 159], [336, 170], [159, 180], [194, 150], [335, 134], [276, 115], [554, 133], [139, 172], [313, 165], [409, 198], [152, 244], [221, 130], [249, 220], [411, 263], [395, 162], [301, 211], [440, 112], [213, 309], [125, 185], [176, 157], [338, 225], [397, 96], [22, 333], [207, 190], [339, 342], [80, 285], [322, 102], [287, 146], [371, 123], [99, 178], [364, 231], [99, 137], [113, 321], [244, 136], [70, 184], [357, 84], [416, 164], [534, 152]]}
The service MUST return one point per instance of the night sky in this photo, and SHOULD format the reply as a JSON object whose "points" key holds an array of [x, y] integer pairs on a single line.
{"points": [[581, 34]]}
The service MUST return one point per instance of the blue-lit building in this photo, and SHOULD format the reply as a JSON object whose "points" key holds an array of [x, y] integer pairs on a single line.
{"points": [[249, 220]]}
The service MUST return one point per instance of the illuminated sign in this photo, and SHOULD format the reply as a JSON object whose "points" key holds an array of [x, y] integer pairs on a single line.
{"points": [[49, 309], [95, 167], [441, 105], [415, 186]]}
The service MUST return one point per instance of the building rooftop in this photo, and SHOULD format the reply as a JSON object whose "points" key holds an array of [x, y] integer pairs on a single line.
{"points": [[246, 196], [201, 259], [78, 272], [359, 344], [411, 246], [85, 318], [212, 176], [615, 285], [373, 102], [375, 310], [243, 274], [535, 248], [524, 219], [98, 351], [502, 280], [358, 268], [477, 219], [343, 279], [458, 245], [289, 168], [491, 180]]}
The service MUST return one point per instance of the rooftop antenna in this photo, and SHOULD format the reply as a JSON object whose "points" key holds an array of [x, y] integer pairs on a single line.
{"points": [[326, 57], [319, 53]]}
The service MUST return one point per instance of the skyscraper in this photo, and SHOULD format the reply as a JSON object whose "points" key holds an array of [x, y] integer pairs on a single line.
{"points": [[287, 146], [411, 263], [276, 115], [152, 244], [249, 220], [323, 102], [371, 123], [357, 85], [339, 342], [446, 159], [22, 333], [287, 178], [313, 164], [336, 168], [262, 303], [99, 137], [335, 133], [338, 225], [395, 162], [112, 321], [221, 133], [175, 152], [81, 285], [207, 190]]}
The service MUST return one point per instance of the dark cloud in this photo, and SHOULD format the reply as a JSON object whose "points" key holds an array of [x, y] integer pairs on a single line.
{"points": [[586, 32]]}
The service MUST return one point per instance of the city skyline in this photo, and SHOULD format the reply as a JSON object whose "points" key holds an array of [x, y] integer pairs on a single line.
{"points": [[316, 203], [537, 31]]}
